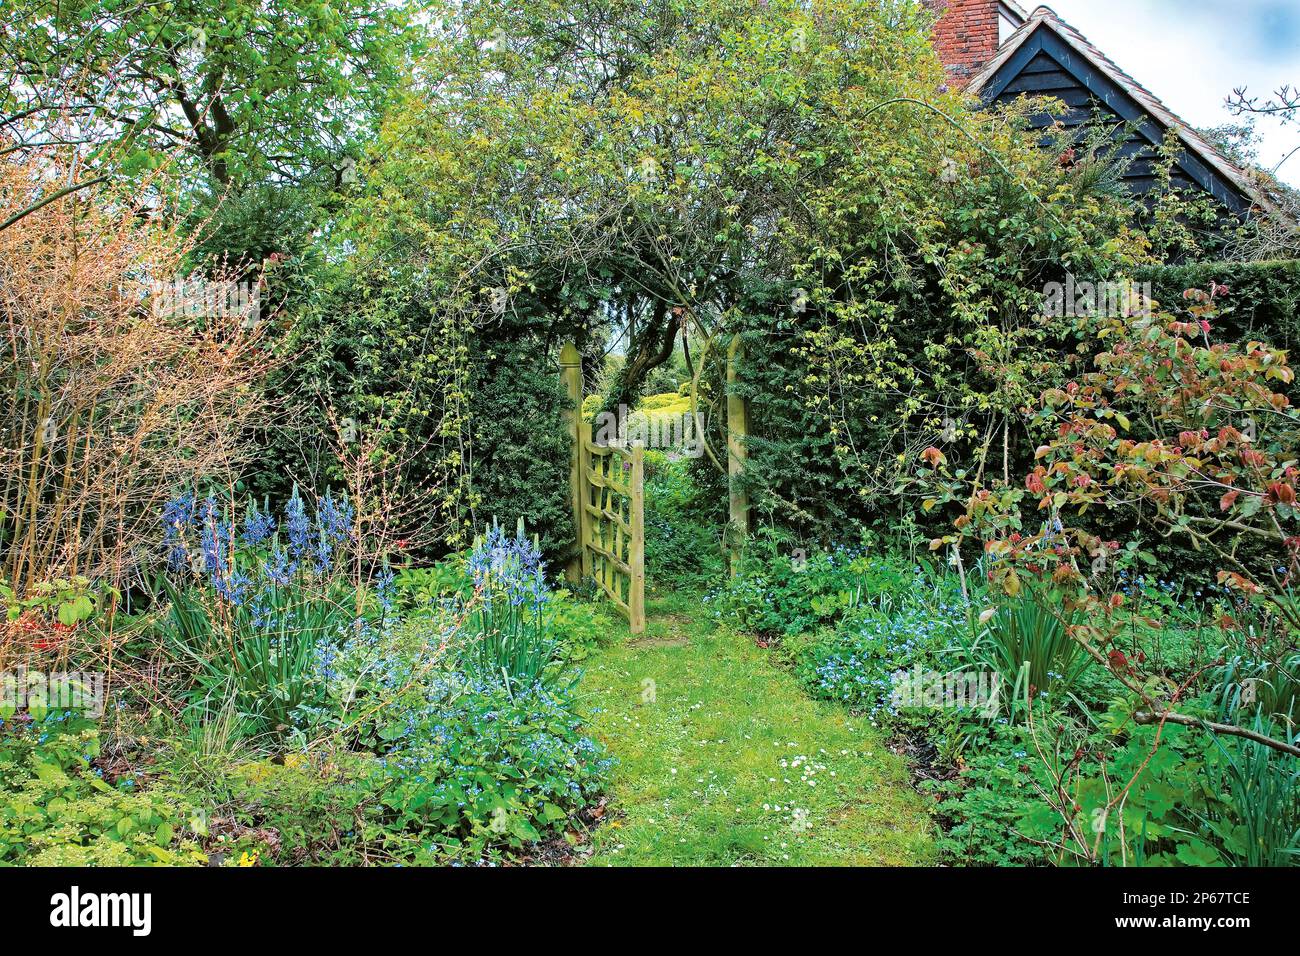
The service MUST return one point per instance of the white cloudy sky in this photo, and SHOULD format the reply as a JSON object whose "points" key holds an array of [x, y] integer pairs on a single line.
{"points": [[1192, 53]]}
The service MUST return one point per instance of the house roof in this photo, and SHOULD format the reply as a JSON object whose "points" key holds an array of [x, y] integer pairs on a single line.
{"points": [[988, 83], [1016, 10]]}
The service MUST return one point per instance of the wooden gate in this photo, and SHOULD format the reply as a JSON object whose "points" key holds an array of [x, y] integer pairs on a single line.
{"points": [[607, 487], [613, 525]]}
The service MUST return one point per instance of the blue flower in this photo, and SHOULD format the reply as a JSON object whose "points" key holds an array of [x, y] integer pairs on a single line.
{"points": [[297, 526], [258, 527], [177, 516]]}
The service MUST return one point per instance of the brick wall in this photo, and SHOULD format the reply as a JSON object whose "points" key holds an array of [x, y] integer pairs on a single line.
{"points": [[966, 36]]}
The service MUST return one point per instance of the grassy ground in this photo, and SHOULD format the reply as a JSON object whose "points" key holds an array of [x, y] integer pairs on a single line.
{"points": [[724, 760]]}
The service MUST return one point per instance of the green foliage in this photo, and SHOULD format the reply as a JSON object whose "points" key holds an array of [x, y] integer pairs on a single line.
{"points": [[1262, 301], [520, 451], [782, 591], [1195, 800], [667, 379], [682, 541], [1180, 220], [415, 589], [477, 765], [380, 380], [1028, 644], [649, 180], [253, 613], [56, 810], [537, 170], [792, 470], [1071, 789], [70, 601], [1071, 779], [244, 91], [1253, 803], [1254, 683], [668, 402], [940, 341], [581, 626], [983, 808]]}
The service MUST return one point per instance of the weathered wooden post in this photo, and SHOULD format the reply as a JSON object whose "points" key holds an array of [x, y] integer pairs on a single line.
{"points": [[737, 453], [571, 370], [636, 556]]}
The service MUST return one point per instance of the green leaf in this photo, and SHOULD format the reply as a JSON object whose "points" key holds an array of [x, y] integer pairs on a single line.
{"points": [[1197, 853]]}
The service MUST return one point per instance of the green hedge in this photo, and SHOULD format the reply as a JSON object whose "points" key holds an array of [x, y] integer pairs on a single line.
{"points": [[793, 474], [1263, 297], [520, 455]]}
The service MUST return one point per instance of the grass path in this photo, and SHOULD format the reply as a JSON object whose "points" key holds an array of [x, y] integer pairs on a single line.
{"points": [[723, 759]]}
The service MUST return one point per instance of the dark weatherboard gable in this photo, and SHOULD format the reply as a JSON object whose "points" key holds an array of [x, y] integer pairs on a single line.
{"points": [[1048, 58]]}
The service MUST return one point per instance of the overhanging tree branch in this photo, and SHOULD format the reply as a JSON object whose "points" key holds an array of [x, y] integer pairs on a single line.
{"points": [[1228, 730], [53, 197]]}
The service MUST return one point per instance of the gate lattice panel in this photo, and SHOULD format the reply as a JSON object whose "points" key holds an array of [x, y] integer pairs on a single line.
{"points": [[613, 524]]}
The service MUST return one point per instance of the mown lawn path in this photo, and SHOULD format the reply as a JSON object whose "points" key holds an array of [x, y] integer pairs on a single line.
{"points": [[723, 759]]}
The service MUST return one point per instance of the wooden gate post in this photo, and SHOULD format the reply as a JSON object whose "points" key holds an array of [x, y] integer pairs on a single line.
{"points": [[636, 557], [571, 370], [737, 453]]}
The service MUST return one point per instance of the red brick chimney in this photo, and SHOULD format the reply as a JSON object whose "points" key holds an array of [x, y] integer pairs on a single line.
{"points": [[966, 36]]}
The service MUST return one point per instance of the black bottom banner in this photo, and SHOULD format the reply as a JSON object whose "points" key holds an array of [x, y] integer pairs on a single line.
{"points": [[305, 905]]}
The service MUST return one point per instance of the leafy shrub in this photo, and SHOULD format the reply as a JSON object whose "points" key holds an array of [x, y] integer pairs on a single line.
{"points": [[1191, 800], [56, 810], [984, 807], [53, 613], [521, 446], [1195, 800], [320, 808], [789, 593], [417, 589], [477, 764], [1165, 434], [580, 625], [793, 469], [682, 543], [1262, 298], [860, 662], [667, 402], [69, 601]]}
